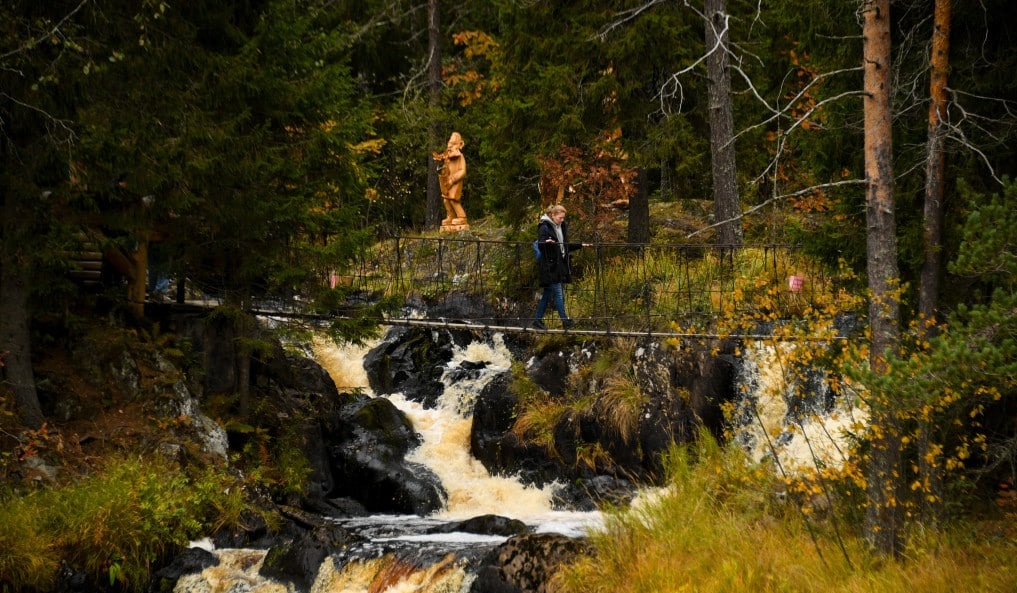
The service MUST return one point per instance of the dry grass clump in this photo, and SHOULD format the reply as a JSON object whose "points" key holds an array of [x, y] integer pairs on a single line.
{"points": [[720, 527]]}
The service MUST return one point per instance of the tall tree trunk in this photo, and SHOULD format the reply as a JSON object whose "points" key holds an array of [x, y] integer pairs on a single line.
{"points": [[433, 215], [928, 297], [935, 162], [884, 515], [639, 210], [667, 184], [244, 380], [15, 336], [245, 327], [726, 208], [15, 343]]}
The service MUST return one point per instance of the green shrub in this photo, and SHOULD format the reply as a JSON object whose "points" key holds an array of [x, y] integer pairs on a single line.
{"points": [[113, 525]]}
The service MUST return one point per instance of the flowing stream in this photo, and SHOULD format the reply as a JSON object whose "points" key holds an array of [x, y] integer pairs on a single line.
{"points": [[403, 554], [445, 449]]}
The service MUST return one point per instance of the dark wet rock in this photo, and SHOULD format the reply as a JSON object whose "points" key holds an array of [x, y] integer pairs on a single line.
{"points": [[551, 372], [595, 493], [320, 482], [190, 561], [72, 580], [496, 447], [527, 563], [378, 425], [367, 448], [337, 507], [466, 370], [684, 391], [410, 361], [251, 529], [699, 383], [297, 562], [485, 525], [296, 373]]}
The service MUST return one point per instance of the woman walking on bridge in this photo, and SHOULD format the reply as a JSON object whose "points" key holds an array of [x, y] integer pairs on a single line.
{"points": [[554, 265]]}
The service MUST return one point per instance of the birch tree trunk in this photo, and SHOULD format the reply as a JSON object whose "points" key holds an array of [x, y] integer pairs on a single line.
{"points": [[884, 512], [722, 151]]}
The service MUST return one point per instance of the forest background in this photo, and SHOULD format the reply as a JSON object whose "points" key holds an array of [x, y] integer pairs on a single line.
{"points": [[270, 141]]}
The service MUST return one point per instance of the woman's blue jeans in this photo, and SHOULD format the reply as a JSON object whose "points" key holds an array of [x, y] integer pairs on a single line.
{"points": [[552, 291]]}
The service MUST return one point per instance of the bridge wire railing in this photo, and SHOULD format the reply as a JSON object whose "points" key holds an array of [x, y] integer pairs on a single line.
{"points": [[616, 287]]}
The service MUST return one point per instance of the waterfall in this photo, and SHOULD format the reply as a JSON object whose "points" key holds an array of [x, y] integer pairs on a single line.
{"points": [[445, 430], [790, 416], [404, 554], [789, 413], [445, 449]]}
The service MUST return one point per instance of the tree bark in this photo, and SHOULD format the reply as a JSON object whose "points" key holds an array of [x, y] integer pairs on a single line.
{"points": [[15, 288], [15, 345], [434, 209], [639, 210], [667, 184], [935, 163], [883, 516], [928, 296], [727, 211]]}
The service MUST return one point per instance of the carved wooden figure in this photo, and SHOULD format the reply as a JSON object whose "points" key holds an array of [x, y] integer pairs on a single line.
{"points": [[451, 176]]}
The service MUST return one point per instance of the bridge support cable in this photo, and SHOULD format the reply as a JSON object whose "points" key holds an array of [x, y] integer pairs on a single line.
{"points": [[618, 289]]}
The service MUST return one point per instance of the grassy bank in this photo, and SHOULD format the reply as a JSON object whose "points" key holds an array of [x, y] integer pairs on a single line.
{"points": [[722, 526], [113, 525]]}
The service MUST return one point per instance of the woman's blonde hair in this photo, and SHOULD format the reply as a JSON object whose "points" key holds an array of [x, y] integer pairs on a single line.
{"points": [[555, 209]]}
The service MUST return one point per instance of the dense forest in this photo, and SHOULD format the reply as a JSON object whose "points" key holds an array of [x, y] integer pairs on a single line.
{"points": [[255, 145]]}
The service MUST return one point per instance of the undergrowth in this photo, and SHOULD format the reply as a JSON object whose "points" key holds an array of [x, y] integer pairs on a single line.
{"points": [[114, 525], [723, 524]]}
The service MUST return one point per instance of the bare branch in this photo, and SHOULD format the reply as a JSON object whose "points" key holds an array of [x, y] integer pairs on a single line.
{"points": [[675, 82], [624, 17], [758, 17], [840, 37], [762, 205], [1008, 105], [782, 137], [45, 35], [957, 135], [65, 125]]}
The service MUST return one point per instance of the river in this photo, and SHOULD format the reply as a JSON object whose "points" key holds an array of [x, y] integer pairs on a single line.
{"points": [[403, 553]]}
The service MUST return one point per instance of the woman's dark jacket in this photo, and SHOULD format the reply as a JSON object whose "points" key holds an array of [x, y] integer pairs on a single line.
{"points": [[554, 267]]}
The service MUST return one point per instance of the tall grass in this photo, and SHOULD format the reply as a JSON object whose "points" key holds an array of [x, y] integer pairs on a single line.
{"points": [[621, 403], [112, 526], [720, 527], [538, 414]]}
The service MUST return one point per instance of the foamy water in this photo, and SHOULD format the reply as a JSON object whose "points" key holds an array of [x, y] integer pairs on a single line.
{"points": [[819, 437], [445, 432], [472, 491], [445, 450]]}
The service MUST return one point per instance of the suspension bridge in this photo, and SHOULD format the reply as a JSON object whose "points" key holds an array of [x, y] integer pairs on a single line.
{"points": [[618, 289]]}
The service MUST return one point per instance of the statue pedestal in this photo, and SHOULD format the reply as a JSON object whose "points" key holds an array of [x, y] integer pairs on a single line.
{"points": [[454, 226]]}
